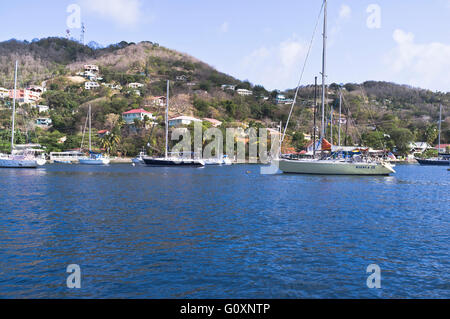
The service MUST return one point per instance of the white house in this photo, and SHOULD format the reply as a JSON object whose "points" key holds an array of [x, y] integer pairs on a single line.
{"points": [[112, 86], [183, 120], [135, 85], [419, 147], [45, 121], [138, 114], [42, 108], [157, 100], [182, 78], [229, 87], [244, 92], [4, 93], [91, 85], [91, 68], [281, 99]]}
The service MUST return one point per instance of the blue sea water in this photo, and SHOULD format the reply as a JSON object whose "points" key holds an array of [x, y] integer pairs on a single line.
{"points": [[223, 232]]}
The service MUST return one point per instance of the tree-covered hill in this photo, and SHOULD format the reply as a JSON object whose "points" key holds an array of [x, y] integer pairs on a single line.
{"points": [[373, 108]]}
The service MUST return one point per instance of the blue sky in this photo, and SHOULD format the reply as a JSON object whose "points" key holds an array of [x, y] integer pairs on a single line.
{"points": [[265, 41]]}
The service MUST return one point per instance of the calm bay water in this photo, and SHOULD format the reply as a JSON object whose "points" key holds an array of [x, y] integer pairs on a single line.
{"points": [[223, 232]]}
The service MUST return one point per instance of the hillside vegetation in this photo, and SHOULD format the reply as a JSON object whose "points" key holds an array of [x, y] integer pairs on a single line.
{"points": [[374, 109]]}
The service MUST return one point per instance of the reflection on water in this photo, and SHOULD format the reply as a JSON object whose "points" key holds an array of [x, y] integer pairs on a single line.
{"points": [[221, 232]]}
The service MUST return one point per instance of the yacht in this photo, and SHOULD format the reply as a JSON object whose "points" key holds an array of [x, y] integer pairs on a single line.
{"points": [[331, 165], [175, 159], [442, 159]]}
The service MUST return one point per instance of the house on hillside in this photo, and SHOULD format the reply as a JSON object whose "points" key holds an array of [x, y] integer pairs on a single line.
{"points": [[4, 93], [281, 99], [244, 92], [214, 123], [91, 68], [113, 86], [229, 87], [44, 121], [91, 85], [37, 89], [157, 100], [25, 96], [443, 148], [138, 114], [42, 108], [183, 120], [419, 147], [135, 85], [182, 78]]}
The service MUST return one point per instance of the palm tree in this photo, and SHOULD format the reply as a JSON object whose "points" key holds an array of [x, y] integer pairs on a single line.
{"points": [[110, 142]]}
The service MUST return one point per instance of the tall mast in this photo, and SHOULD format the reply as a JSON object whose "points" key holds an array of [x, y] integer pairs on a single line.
{"points": [[315, 112], [14, 107], [331, 124], [324, 58], [90, 124], [440, 121], [167, 120], [340, 115]]}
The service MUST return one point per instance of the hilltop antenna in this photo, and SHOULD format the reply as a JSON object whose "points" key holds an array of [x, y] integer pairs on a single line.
{"points": [[83, 31]]}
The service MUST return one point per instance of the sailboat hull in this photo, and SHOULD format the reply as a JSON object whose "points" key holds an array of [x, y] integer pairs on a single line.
{"points": [[433, 162], [13, 163], [102, 161], [317, 167], [173, 162]]}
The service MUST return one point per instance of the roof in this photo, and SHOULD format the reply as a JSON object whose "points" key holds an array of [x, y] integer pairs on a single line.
{"points": [[213, 121], [137, 111], [102, 132], [188, 118]]}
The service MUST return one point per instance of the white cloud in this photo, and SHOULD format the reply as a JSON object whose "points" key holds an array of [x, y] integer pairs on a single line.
{"points": [[276, 66], [127, 13], [345, 12], [424, 65], [224, 27]]}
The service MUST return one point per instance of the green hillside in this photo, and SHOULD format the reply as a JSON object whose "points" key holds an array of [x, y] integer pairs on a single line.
{"points": [[374, 108]]}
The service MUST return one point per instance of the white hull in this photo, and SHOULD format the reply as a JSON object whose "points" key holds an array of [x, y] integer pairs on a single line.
{"points": [[326, 167], [102, 161], [17, 163], [138, 161]]}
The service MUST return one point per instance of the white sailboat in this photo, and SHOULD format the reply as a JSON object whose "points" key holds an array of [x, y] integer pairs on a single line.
{"points": [[17, 159], [94, 158], [174, 159], [354, 165]]}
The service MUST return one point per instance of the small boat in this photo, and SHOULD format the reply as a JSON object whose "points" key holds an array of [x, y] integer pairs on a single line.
{"points": [[139, 160], [62, 162], [225, 160], [94, 158]]}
